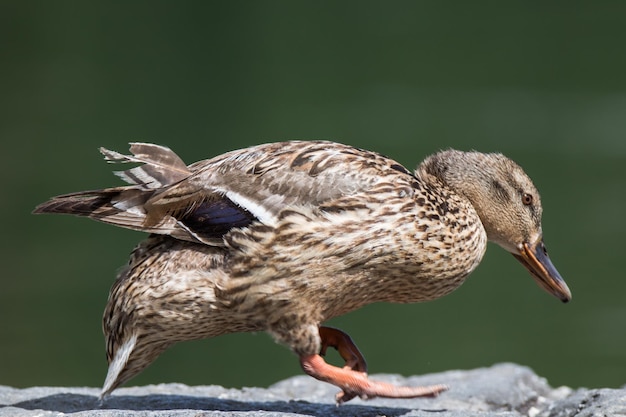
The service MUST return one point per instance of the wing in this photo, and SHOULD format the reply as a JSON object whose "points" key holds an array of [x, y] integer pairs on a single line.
{"points": [[203, 201], [269, 178]]}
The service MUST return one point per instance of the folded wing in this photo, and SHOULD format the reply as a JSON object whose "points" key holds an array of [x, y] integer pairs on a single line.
{"points": [[203, 201]]}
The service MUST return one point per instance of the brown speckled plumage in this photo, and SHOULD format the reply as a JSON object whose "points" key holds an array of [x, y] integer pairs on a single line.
{"points": [[282, 237]]}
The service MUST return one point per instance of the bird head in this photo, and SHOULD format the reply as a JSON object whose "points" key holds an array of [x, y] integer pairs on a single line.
{"points": [[508, 205]]}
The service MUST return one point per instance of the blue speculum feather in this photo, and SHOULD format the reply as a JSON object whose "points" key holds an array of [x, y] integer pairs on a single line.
{"points": [[214, 218]]}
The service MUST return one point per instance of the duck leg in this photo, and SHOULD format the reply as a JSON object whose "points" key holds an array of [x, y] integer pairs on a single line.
{"points": [[342, 342], [352, 378]]}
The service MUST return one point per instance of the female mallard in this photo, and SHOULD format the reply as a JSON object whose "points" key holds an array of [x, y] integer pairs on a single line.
{"points": [[282, 237]]}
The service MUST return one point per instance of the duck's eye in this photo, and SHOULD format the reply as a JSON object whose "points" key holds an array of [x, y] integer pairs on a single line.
{"points": [[527, 199]]}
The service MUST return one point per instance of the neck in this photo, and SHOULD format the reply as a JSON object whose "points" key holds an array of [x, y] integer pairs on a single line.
{"points": [[470, 175]]}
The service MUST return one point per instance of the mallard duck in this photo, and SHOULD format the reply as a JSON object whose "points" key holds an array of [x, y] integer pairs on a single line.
{"points": [[282, 237]]}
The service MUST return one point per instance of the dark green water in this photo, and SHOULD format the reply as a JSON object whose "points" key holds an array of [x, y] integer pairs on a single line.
{"points": [[543, 83]]}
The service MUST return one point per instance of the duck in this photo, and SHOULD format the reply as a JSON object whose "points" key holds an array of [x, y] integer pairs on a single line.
{"points": [[282, 237]]}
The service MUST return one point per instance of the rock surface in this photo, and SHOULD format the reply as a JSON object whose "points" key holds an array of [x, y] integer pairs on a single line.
{"points": [[504, 390]]}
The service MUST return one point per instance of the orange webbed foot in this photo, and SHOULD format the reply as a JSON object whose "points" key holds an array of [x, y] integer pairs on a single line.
{"points": [[352, 378]]}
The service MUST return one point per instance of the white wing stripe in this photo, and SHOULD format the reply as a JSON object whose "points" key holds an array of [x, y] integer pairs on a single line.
{"points": [[257, 210]]}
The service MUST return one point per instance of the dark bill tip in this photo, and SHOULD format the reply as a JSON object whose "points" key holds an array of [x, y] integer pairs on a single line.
{"points": [[535, 258]]}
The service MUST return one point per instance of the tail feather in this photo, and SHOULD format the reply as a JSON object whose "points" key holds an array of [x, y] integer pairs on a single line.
{"points": [[122, 206], [161, 166], [125, 206], [133, 206], [83, 203]]}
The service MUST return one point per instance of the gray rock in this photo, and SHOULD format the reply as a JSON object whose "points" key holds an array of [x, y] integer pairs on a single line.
{"points": [[504, 390], [589, 403]]}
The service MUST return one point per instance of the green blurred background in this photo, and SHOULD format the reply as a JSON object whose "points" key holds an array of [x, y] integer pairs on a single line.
{"points": [[543, 82]]}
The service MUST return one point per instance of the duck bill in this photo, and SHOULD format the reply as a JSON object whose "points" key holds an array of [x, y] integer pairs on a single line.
{"points": [[535, 258]]}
